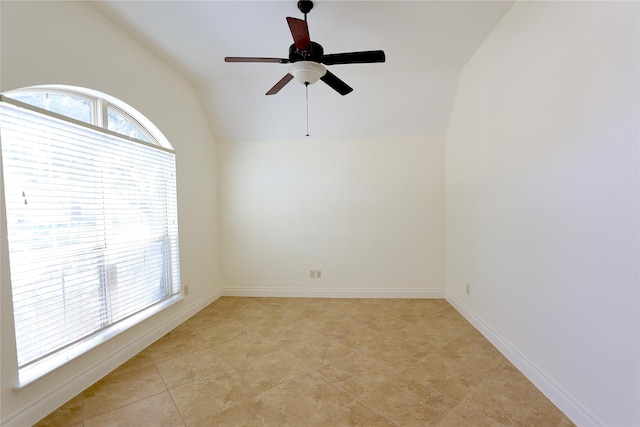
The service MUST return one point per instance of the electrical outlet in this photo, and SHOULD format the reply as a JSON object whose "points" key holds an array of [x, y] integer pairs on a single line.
{"points": [[312, 274], [318, 274], [468, 289], [186, 290]]}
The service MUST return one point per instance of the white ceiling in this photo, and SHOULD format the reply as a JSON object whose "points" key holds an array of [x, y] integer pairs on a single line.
{"points": [[426, 45]]}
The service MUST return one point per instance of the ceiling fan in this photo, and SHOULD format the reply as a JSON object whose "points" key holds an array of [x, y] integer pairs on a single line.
{"points": [[306, 57]]}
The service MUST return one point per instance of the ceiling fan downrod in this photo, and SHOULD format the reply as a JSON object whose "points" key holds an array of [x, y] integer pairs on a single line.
{"points": [[305, 7]]}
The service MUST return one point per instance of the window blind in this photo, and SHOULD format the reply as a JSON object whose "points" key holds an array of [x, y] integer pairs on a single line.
{"points": [[91, 227]]}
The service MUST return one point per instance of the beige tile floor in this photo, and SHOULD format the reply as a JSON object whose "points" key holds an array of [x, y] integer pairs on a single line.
{"points": [[315, 362]]}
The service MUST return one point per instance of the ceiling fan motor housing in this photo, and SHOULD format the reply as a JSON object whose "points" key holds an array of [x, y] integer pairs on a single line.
{"points": [[315, 54]]}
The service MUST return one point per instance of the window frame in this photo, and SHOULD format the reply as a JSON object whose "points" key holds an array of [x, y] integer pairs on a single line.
{"points": [[40, 369]]}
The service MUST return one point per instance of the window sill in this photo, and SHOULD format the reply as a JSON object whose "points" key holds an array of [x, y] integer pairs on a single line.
{"points": [[36, 371]]}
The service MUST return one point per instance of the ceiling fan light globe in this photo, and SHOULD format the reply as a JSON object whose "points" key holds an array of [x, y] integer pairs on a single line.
{"points": [[307, 72]]}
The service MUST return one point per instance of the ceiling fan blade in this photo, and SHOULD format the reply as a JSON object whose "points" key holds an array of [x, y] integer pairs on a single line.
{"points": [[283, 81], [338, 85], [300, 33], [364, 57], [250, 59]]}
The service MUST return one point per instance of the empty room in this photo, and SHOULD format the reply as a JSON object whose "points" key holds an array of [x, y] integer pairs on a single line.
{"points": [[327, 213]]}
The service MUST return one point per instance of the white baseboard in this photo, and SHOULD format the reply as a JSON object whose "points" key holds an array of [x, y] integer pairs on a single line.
{"points": [[563, 400], [333, 293], [108, 362]]}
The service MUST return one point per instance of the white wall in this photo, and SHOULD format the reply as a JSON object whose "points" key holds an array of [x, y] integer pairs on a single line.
{"points": [[542, 201], [71, 43], [368, 213], [541, 209]]}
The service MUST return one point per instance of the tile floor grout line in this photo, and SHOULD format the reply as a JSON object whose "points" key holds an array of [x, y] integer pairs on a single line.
{"points": [[360, 402], [168, 391]]}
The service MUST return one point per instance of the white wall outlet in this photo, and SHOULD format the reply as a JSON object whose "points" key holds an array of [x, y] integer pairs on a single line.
{"points": [[468, 289], [312, 274], [318, 274], [186, 290]]}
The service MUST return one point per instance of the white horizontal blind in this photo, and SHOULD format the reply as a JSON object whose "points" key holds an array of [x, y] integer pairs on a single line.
{"points": [[91, 225]]}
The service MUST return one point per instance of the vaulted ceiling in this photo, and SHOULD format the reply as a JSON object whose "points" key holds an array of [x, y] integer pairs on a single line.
{"points": [[426, 44]]}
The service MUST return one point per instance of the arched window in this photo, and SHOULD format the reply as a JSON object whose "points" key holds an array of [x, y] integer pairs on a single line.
{"points": [[91, 107], [90, 195]]}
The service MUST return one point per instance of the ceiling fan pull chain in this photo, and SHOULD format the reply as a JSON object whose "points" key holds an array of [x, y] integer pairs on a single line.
{"points": [[306, 90]]}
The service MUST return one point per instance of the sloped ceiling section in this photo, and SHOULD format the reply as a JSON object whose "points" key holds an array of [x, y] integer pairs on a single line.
{"points": [[426, 44]]}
